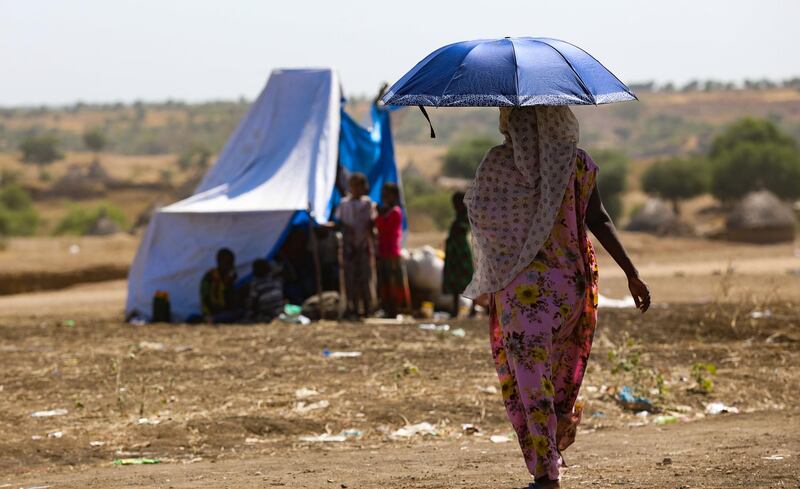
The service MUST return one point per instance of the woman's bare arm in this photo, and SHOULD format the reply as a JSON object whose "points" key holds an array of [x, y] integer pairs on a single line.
{"points": [[600, 224]]}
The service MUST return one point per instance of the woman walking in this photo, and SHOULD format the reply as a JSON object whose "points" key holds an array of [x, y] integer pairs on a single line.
{"points": [[530, 205]]}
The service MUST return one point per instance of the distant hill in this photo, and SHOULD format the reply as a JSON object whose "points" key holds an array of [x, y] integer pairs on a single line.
{"points": [[660, 124]]}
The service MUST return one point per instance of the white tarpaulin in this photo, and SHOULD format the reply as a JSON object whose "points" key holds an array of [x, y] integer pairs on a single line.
{"points": [[281, 158]]}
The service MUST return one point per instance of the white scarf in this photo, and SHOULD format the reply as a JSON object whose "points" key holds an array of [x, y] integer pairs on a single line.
{"points": [[517, 192]]}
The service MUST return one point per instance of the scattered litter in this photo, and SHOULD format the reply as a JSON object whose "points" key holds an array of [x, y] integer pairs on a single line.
{"points": [[340, 354], [604, 301], [459, 332], [148, 421], [152, 345], [665, 419], [470, 429], [489, 389], [637, 424], [434, 327], [499, 439], [303, 408], [69, 323], [96, 443], [633, 402], [327, 437], [761, 314], [598, 414], [292, 315], [35, 487], [37, 437], [304, 392], [781, 337], [47, 414], [74, 249], [774, 457], [299, 319], [642, 414], [55, 434], [720, 408], [423, 428], [136, 461], [182, 348], [441, 316], [251, 440]]}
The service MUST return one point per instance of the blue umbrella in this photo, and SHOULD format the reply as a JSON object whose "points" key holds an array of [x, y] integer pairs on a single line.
{"points": [[512, 71]]}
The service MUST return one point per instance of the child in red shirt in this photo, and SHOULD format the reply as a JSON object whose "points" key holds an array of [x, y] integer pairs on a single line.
{"points": [[392, 280]]}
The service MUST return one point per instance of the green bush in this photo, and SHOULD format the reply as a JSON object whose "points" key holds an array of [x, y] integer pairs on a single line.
{"points": [[18, 217], [424, 198], [94, 139], [754, 166], [611, 179], [41, 150], [676, 179], [463, 158], [79, 220], [749, 131]]}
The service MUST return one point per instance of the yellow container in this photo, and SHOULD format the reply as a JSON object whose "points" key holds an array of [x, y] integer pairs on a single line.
{"points": [[427, 309]]}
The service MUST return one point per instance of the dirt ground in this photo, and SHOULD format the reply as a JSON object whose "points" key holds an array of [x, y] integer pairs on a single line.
{"points": [[219, 407]]}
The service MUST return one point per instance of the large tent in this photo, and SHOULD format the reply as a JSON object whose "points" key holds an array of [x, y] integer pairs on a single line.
{"points": [[279, 164]]}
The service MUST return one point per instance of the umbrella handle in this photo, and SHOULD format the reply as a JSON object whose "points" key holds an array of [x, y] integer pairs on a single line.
{"points": [[425, 113]]}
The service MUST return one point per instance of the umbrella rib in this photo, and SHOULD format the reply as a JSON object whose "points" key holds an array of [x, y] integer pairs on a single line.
{"points": [[460, 64], [516, 71], [627, 90], [580, 80]]}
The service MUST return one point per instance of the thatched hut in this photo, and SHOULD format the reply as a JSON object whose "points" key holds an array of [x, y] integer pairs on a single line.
{"points": [[760, 218]]}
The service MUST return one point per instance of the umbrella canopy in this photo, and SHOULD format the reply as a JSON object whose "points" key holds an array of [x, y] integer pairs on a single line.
{"points": [[512, 71]]}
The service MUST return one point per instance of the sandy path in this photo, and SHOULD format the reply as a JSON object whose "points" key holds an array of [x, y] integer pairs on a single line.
{"points": [[726, 452]]}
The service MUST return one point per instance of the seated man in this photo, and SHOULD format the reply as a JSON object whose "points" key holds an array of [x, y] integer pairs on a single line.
{"points": [[217, 293], [265, 300]]}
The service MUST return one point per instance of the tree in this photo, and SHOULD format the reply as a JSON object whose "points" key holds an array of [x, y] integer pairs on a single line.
{"points": [[755, 166], [95, 140], [676, 179], [198, 155], [17, 214], [463, 158], [749, 130], [40, 150], [611, 179], [754, 154]]}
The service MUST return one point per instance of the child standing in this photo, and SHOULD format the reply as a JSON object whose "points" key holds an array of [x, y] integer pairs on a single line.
{"points": [[356, 214], [392, 279], [458, 267]]}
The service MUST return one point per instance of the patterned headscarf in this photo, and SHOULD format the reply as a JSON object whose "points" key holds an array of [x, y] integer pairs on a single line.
{"points": [[517, 192]]}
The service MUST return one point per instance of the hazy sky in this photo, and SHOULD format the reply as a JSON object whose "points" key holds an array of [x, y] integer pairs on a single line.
{"points": [[61, 51]]}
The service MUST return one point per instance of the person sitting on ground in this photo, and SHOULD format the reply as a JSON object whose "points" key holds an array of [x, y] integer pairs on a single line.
{"points": [[265, 299], [458, 268], [356, 214], [392, 278], [217, 292]]}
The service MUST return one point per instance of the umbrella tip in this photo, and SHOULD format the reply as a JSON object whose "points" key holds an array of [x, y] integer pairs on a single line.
{"points": [[507, 37]]}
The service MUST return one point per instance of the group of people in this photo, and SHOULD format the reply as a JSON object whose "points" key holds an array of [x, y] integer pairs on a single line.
{"points": [[372, 249]]}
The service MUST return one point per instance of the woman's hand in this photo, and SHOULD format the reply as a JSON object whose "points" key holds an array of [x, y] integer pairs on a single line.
{"points": [[640, 292]]}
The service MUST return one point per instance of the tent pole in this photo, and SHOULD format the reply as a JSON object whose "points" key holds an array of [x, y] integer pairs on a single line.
{"points": [[317, 262]]}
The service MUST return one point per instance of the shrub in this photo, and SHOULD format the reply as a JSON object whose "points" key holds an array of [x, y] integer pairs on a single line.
{"points": [[79, 220], [424, 198], [754, 166], [463, 158], [40, 150], [676, 179], [611, 179], [18, 217], [749, 131], [94, 139]]}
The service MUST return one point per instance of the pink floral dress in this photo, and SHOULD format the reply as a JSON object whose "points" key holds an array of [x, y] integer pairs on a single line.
{"points": [[541, 328]]}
